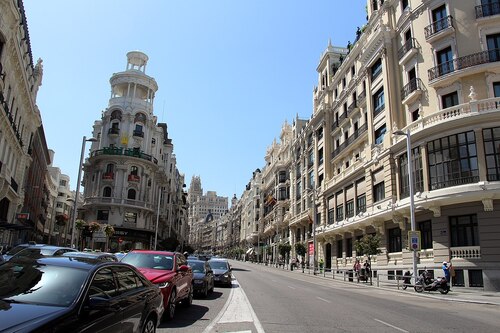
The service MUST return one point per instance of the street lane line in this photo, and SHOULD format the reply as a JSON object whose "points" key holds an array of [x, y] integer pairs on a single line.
{"points": [[324, 300], [291, 287], [236, 310], [387, 324]]}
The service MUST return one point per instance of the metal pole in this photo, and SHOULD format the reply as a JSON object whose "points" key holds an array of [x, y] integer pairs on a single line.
{"points": [[157, 217], [77, 194], [412, 203]]}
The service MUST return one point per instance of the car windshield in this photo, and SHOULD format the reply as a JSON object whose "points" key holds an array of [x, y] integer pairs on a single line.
{"points": [[35, 253], [197, 267], [26, 281], [16, 249], [219, 265], [149, 260]]}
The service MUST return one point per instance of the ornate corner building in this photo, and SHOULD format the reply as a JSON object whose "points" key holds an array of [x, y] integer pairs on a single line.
{"points": [[131, 179]]}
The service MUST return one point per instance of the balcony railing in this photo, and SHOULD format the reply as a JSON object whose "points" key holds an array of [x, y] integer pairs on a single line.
{"points": [[489, 9], [408, 45], [114, 131], [438, 26], [126, 152], [464, 62], [414, 84], [133, 178], [119, 201], [467, 252], [454, 182], [362, 97], [108, 176], [352, 107], [350, 140]]}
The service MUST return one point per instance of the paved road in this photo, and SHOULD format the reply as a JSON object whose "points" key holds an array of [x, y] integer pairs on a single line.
{"points": [[265, 299]]}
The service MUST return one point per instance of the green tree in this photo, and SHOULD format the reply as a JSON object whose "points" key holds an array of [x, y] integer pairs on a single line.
{"points": [[368, 245], [284, 249], [300, 249]]}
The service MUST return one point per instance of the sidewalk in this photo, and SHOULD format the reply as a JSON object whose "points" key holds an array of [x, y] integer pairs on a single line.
{"points": [[456, 294]]}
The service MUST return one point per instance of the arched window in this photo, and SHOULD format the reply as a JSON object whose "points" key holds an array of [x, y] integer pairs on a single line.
{"points": [[134, 170], [140, 118], [110, 168], [106, 192], [131, 194], [116, 114]]}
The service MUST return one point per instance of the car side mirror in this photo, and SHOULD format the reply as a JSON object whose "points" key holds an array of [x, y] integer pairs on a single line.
{"points": [[97, 303]]}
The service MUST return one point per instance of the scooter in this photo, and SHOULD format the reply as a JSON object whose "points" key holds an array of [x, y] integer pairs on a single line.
{"points": [[424, 282]]}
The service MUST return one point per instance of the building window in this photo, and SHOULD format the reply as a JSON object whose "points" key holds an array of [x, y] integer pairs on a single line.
{"points": [[378, 192], [130, 218], [62, 182], [340, 213], [404, 4], [492, 152], [282, 194], [340, 249], [445, 61], [331, 215], [134, 170], [320, 156], [311, 179], [376, 69], [476, 278], [348, 247], [453, 161], [102, 215], [378, 102], [395, 244], [131, 194], [449, 100], [464, 231], [425, 228], [496, 87], [110, 168], [361, 203], [439, 18], [380, 133], [311, 159], [106, 192], [282, 177], [349, 208], [418, 173]]}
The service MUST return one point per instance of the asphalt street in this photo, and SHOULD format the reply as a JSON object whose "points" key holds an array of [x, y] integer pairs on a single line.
{"points": [[265, 299]]}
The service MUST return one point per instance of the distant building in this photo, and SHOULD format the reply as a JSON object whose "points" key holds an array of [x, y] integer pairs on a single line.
{"points": [[131, 179]]}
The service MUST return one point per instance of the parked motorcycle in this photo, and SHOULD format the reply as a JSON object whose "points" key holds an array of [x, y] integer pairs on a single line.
{"points": [[425, 282]]}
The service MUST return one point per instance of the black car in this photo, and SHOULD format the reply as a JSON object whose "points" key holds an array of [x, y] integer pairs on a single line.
{"points": [[42, 250], [203, 277], [222, 271], [62, 294]]}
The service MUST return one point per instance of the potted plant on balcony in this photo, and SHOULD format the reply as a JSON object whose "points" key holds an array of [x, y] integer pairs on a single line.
{"points": [[62, 219]]}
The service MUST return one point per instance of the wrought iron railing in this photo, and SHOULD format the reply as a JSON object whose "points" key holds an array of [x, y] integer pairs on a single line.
{"points": [[350, 139], [352, 107], [454, 182], [126, 152], [464, 62], [438, 26], [407, 46], [414, 84]]}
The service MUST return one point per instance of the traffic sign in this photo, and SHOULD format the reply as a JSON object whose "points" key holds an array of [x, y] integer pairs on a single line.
{"points": [[414, 240]]}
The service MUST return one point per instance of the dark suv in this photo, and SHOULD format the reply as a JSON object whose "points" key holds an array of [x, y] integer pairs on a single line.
{"points": [[168, 270]]}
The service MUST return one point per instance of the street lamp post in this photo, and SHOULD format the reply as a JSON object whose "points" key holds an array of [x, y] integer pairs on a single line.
{"points": [[412, 203], [77, 193], [157, 217], [315, 213]]}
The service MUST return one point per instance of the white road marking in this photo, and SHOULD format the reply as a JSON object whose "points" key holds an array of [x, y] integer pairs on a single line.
{"points": [[324, 300], [236, 310], [387, 324], [291, 287]]}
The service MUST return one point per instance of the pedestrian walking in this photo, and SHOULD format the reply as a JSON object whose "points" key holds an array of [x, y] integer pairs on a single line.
{"points": [[357, 268]]}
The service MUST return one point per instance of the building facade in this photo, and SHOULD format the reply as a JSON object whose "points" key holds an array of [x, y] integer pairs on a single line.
{"points": [[20, 120], [131, 179]]}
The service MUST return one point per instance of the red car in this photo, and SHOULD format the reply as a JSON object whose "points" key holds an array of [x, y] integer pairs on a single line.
{"points": [[170, 271]]}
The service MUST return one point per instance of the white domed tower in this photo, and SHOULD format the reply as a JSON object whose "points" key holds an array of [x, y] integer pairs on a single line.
{"points": [[131, 163]]}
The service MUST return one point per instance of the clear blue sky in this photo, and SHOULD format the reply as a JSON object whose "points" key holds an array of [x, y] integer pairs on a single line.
{"points": [[229, 72]]}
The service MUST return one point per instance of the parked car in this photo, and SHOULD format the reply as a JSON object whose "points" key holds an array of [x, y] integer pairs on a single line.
{"points": [[170, 271], [16, 249], [222, 271], [103, 256], [203, 277], [120, 255], [61, 294], [42, 250]]}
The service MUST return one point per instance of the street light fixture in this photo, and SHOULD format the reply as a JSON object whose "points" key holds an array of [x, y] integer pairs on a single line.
{"points": [[77, 193], [412, 203]]}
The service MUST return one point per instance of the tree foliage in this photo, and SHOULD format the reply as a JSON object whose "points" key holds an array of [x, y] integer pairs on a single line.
{"points": [[300, 249], [368, 245], [284, 249]]}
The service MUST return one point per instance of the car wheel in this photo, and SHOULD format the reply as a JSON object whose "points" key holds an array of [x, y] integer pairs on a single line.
{"points": [[170, 309], [189, 299], [149, 325]]}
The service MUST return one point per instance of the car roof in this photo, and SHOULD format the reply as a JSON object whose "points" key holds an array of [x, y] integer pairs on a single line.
{"points": [[81, 263], [218, 259], [88, 254], [196, 260], [153, 252]]}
